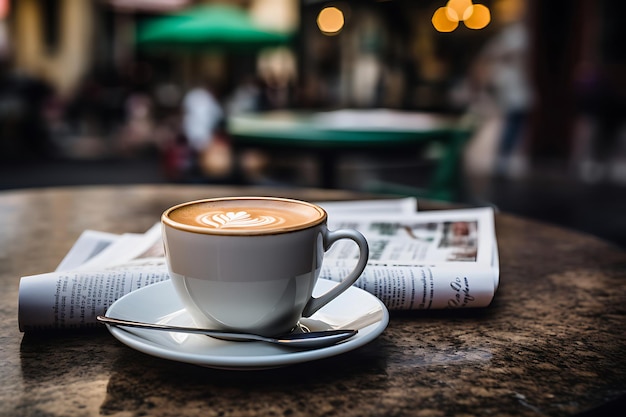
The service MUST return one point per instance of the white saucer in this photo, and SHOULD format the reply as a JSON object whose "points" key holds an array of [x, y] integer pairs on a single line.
{"points": [[158, 303]]}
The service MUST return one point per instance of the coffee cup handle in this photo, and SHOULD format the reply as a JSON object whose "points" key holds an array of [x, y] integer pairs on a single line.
{"points": [[330, 237]]}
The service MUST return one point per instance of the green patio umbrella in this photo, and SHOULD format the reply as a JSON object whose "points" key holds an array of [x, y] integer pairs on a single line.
{"points": [[210, 27]]}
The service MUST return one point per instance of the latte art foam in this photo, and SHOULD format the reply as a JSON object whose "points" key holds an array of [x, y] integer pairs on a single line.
{"points": [[244, 216], [240, 219]]}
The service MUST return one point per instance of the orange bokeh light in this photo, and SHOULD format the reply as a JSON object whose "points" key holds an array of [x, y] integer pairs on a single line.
{"points": [[442, 22], [475, 16], [456, 9], [478, 17], [330, 20]]}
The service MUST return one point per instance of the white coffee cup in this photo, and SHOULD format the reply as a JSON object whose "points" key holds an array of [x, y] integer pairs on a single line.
{"points": [[250, 263]]}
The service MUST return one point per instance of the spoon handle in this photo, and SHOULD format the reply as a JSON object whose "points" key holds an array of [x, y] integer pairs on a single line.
{"points": [[179, 329], [312, 339]]}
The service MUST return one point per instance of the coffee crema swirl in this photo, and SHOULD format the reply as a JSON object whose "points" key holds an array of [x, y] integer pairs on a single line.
{"points": [[238, 220]]}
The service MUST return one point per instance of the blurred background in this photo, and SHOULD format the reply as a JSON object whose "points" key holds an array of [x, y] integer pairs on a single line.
{"points": [[530, 95]]}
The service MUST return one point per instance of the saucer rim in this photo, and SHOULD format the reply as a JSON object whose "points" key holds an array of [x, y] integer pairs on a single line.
{"points": [[283, 357]]}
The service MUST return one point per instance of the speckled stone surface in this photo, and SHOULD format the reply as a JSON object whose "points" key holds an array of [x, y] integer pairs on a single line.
{"points": [[552, 343]]}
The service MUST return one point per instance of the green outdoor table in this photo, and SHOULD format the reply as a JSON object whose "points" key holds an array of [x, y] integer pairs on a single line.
{"points": [[331, 135]]}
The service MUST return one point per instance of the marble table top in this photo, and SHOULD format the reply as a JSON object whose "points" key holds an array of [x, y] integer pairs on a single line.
{"points": [[553, 342]]}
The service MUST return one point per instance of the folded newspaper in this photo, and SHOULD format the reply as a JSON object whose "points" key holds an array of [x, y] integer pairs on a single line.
{"points": [[418, 260]]}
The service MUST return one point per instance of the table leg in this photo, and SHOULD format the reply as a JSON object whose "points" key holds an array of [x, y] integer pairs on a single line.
{"points": [[447, 181], [327, 168]]}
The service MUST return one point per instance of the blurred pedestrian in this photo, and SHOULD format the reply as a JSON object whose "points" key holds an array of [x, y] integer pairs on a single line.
{"points": [[203, 128], [509, 79], [246, 98], [137, 134], [498, 92]]}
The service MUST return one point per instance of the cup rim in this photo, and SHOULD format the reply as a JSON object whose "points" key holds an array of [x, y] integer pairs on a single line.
{"points": [[166, 220]]}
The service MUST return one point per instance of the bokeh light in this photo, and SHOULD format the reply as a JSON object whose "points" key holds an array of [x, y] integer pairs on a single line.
{"points": [[478, 17], [442, 22], [475, 16], [456, 9], [330, 20]]}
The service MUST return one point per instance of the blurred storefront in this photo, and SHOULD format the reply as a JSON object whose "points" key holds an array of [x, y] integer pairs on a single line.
{"points": [[87, 79], [63, 41], [94, 81]]}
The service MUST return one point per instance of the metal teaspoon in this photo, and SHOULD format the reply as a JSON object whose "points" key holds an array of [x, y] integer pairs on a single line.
{"points": [[311, 340]]}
